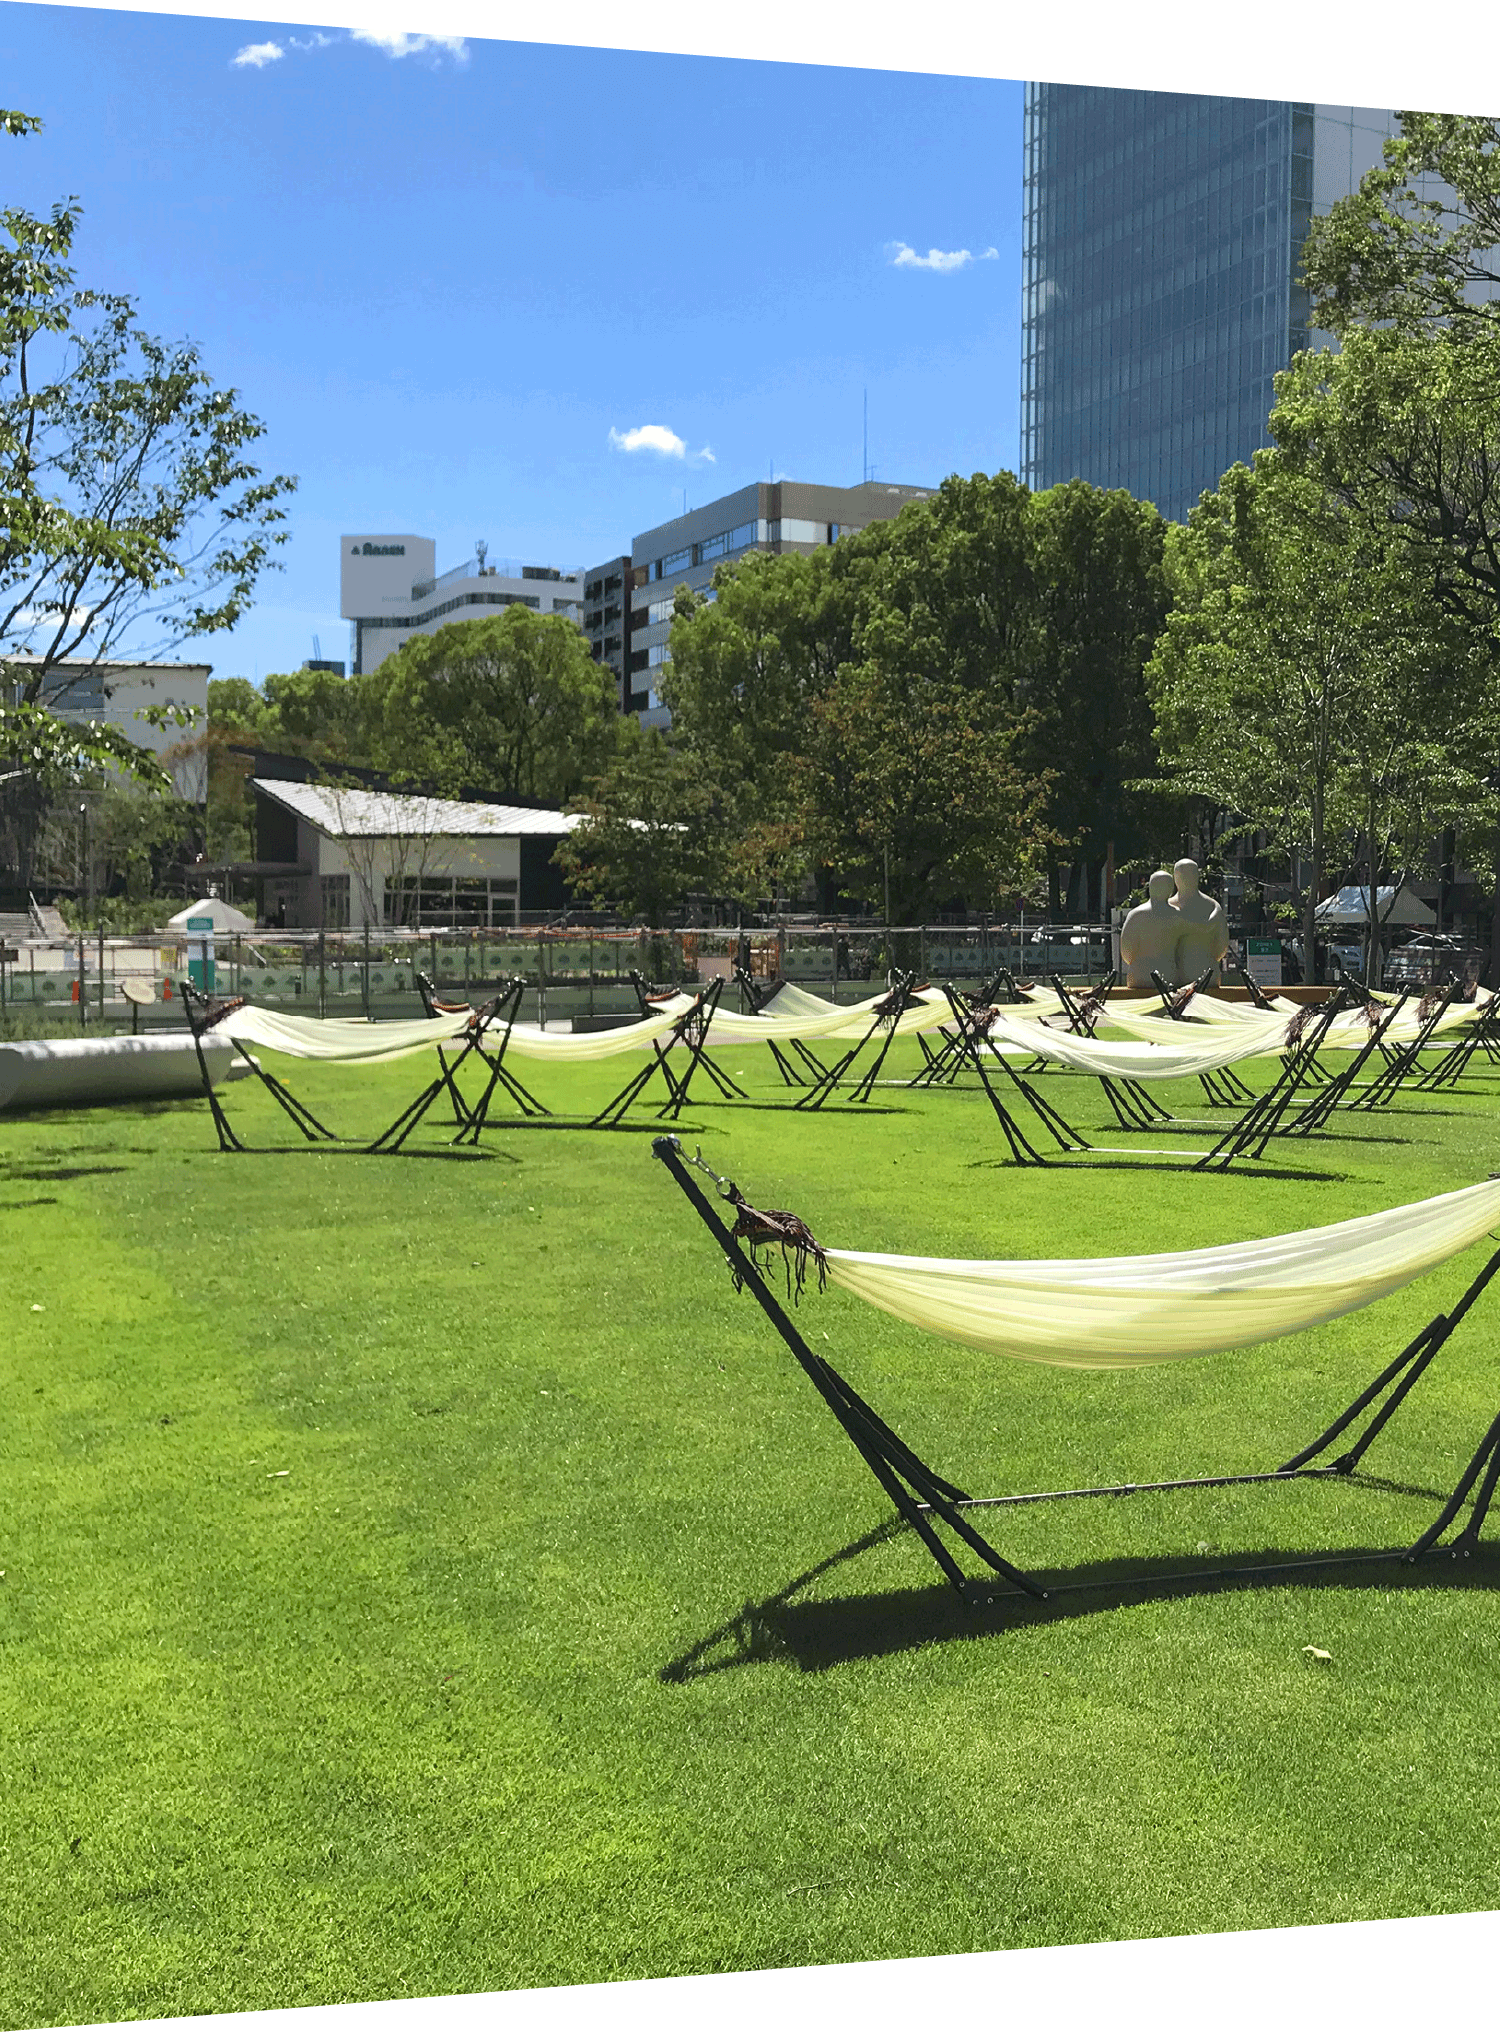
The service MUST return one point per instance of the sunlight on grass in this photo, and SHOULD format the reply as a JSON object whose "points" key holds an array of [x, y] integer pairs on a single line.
{"points": [[398, 1561]]}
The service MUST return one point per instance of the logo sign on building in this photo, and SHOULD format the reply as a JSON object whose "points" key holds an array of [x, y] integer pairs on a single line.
{"points": [[377, 550], [1263, 961]]}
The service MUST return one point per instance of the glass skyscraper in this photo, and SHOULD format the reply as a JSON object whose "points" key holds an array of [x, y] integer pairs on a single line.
{"points": [[1162, 242]]}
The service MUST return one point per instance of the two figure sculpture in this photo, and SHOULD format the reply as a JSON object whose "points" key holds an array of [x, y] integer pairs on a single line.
{"points": [[1176, 935]]}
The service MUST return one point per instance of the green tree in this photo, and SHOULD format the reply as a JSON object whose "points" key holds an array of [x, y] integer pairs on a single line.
{"points": [[912, 790], [131, 518], [1402, 425], [1099, 601], [745, 670], [1415, 247], [650, 833], [514, 706], [983, 629], [132, 513], [1305, 680]]}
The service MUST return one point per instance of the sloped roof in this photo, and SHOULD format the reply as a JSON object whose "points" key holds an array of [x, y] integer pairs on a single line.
{"points": [[370, 814]]}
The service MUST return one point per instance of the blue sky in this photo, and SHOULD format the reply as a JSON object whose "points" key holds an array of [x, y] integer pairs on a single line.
{"points": [[445, 277]]}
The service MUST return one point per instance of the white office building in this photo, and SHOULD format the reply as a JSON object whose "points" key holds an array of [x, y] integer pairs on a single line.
{"points": [[390, 589], [119, 695]]}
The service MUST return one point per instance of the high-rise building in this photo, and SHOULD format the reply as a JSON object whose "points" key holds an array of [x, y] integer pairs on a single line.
{"points": [[780, 515], [390, 590], [608, 620], [1163, 237]]}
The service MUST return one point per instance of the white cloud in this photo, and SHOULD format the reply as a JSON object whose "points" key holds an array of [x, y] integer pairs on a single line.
{"points": [[258, 54], [395, 42], [317, 40], [649, 437], [939, 262]]}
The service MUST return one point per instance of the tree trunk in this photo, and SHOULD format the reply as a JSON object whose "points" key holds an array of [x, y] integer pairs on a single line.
{"points": [[1372, 926], [1493, 971]]}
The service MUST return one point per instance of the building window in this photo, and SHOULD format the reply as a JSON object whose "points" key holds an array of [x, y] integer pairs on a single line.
{"points": [[443, 902], [335, 902]]}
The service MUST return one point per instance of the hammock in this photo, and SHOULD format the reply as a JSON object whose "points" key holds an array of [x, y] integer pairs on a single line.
{"points": [[1126, 1311], [1115, 1312], [1180, 1054], [350, 1042], [338, 1039]]}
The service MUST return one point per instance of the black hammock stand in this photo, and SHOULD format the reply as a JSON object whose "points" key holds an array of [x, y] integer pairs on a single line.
{"points": [[925, 1499], [1248, 1137], [204, 1013], [690, 1031], [808, 1067], [486, 1038], [1221, 1089], [943, 1066], [1482, 1035], [884, 1017], [650, 1000]]}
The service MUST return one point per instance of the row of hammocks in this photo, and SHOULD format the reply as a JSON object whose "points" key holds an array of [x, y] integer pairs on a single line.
{"points": [[790, 1018], [1117, 1312]]}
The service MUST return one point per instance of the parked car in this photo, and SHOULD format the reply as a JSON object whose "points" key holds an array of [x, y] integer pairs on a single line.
{"points": [[1428, 957]]}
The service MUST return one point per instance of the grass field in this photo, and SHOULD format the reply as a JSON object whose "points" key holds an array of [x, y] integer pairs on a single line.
{"points": [[425, 1575]]}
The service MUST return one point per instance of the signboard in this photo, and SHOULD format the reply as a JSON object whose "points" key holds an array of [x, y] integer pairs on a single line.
{"points": [[1263, 961], [201, 969]]}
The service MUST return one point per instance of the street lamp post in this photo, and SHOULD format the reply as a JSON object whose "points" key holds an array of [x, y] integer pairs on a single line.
{"points": [[83, 998]]}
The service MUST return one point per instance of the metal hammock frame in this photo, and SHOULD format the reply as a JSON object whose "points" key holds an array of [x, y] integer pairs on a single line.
{"points": [[925, 1499]]}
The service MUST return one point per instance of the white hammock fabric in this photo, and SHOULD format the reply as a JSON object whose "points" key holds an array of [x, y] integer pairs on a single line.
{"points": [[1119, 1312], [342, 1039], [1180, 1055], [348, 1041]]}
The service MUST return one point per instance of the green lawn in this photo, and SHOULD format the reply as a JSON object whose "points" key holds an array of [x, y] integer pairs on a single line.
{"points": [[400, 1559]]}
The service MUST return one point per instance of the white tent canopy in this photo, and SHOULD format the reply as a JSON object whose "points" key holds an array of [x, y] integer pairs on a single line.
{"points": [[1352, 906], [226, 919]]}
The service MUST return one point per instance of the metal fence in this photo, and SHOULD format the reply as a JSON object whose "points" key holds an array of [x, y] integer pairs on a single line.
{"points": [[570, 975]]}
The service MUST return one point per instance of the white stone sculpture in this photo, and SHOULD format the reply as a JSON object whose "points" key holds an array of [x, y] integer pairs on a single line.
{"points": [[1149, 935], [1204, 936]]}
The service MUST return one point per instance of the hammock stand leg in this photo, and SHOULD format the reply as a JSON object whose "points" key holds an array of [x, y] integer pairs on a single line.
{"points": [[790, 1077], [461, 1114], [1452, 1066], [502, 1010], [690, 1029], [918, 1492], [1382, 1091], [866, 1086], [227, 1138], [1147, 1102], [1413, 1360], [300, 1113], [1062, 1132], [1021, 1149], [1323, 1103], [197, 1006], [1261, 1119], [391, 1139], [821, 1089], [1133, 1106], [810, 1059]]}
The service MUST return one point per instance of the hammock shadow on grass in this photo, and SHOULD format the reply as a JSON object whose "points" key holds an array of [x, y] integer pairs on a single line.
{"points": [[48, 1174], [1069, 1160], [817, 1635]]}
